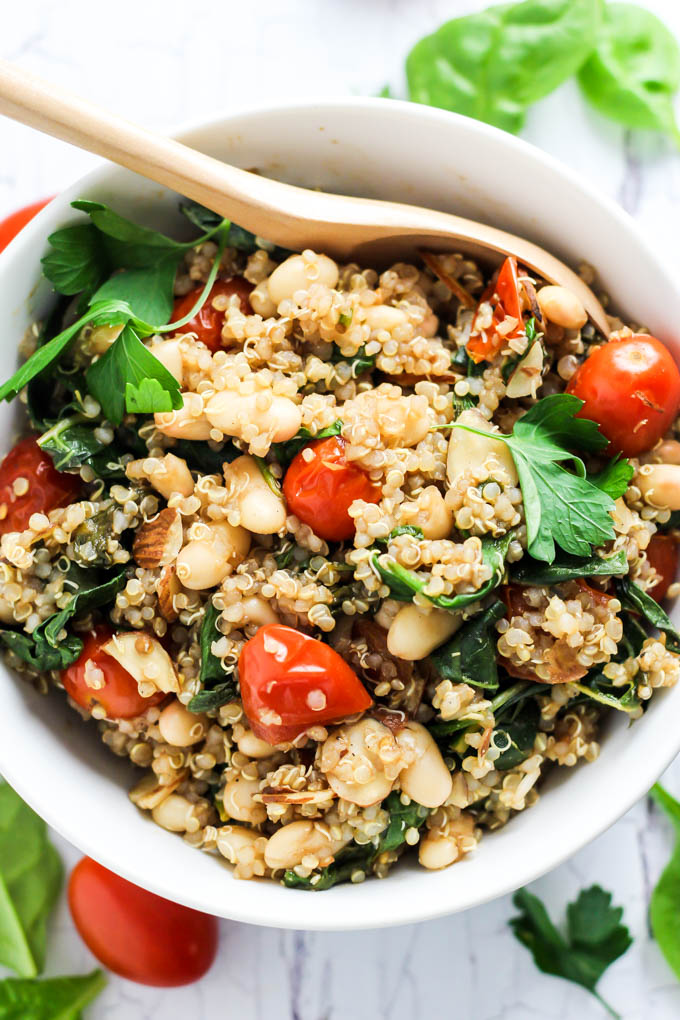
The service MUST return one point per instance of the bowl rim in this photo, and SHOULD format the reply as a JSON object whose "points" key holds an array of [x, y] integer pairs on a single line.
{"points": [[412, 909]]}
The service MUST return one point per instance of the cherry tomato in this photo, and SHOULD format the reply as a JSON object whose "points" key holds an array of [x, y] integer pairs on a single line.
{"points": [[16, 221], [505, 296], [207, 324], [133, 932], [662, 553], [290, 681], [320, 491], [119, 696], [46, 487], [631, 388]]}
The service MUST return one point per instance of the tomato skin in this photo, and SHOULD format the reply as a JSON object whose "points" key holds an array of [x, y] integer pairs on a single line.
{"points": [[320, 491], [631, 388], [134, 933], [207, 324], [282, 670], [16, 221], [662, 553], [119, 696], [506, 296], [47, 489]]}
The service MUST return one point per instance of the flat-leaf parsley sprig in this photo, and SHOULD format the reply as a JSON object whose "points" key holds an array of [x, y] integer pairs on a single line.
{"points": [[562, 507]]}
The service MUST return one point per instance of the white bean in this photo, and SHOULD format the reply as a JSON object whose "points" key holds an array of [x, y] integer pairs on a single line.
{"points": [[437, 851], [232, 413], [385, 317], [427, 780], [238, 801], [253, 747], [205, 562], [415, 632], [350, 757], [434, 516], [261, 509], [299, 272], [257, 610], [668, 451], [467, 450], [171, 476], [180, 727], [260, 301], [562, 307], [169, 353], [292, 842], [231, 839], [189, 422], [174, 813], [660, 485]]}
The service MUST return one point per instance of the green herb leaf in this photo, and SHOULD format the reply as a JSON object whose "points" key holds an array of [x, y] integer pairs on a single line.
{"points": [[470, 657], [148, 291], [60, 998], [569, 568], [218, 687], [494, 64], [77, 260], [595, 937], [614, 477], [663, 908], [634, 70], [516, 736], [129, 362], [30, 880], [285, 452], [639, 601], [71, 443]]}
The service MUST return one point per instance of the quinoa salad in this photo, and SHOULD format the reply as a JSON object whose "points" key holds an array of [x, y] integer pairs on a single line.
{"points": [[345, 560]]}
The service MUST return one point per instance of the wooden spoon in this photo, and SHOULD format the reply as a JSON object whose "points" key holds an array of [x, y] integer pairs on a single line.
{"points": [[361, 229]]}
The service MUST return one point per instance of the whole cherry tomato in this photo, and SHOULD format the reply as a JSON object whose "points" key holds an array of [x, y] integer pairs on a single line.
{"points": [[133, 932], [119, 696], [505, 296], [662, 553], [631, 388], [321, 489], [16, 221], [290, 681], [207, 324], [30, 484]]}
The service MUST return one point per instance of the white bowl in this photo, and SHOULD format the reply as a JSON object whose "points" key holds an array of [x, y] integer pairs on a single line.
{"points": [[414, 154]]}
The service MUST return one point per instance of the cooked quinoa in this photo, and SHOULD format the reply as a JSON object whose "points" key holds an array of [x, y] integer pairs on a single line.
{"points": [[338, 477]]}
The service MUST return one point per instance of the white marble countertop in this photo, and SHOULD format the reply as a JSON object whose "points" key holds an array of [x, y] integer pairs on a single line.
{"points": [[163, 62]]}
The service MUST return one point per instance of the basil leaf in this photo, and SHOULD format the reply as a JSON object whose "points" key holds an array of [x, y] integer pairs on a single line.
{"points": [[634, 70], [129, 362], [77, 260], [639, 601], [494, 64], [663, 908], [285, 452], [219, 687], [30, 880], [60, 998], [470, 657], [569, 568]]}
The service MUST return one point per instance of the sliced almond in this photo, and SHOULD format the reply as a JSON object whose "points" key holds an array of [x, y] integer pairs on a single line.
{"points": [[526, 378], [158, 541], [144, 658], [167, 587], [285, 796], [149, 793]]}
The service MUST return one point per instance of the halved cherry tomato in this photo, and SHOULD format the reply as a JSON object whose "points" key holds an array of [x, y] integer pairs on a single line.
{"points": [[134, 933], [320, 490], [119, 697], [290, 681], [45, 488], [16, 221], [207, 324], [631, 388], [505, 296], [662, 553]]}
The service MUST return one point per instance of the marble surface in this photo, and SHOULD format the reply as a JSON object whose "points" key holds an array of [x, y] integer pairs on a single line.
{"points": [[163, 62]]}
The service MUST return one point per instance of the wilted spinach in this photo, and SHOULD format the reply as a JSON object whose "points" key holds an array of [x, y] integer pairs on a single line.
{"points": [[638, 601], [470, 656], [515, 737], [568, 568], [285, 452], [217, 686]]}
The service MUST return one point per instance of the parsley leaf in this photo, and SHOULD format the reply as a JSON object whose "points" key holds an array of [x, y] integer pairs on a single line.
{"points": [[77, 261], [561, 507], [614, 477], [148, 291], [129, 372], [595, 937]]}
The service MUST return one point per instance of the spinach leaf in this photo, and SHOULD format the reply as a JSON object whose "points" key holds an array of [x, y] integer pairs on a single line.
{"points": [[569, 568], [663, 908], [494, 64], [285, 452], [634, 70], [30, 880], [508, 698], [404, 584], [77, 260], [60, 998], [638, 601], [517, 735], [204, 458], [71, 443], [595, 937], [598, 688], [124, 377], [237, 237], [470, 657], [359, 362], [218, 687]]}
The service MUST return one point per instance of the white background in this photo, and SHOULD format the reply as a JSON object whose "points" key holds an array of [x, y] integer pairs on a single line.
{"points": [[162, 63]]}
